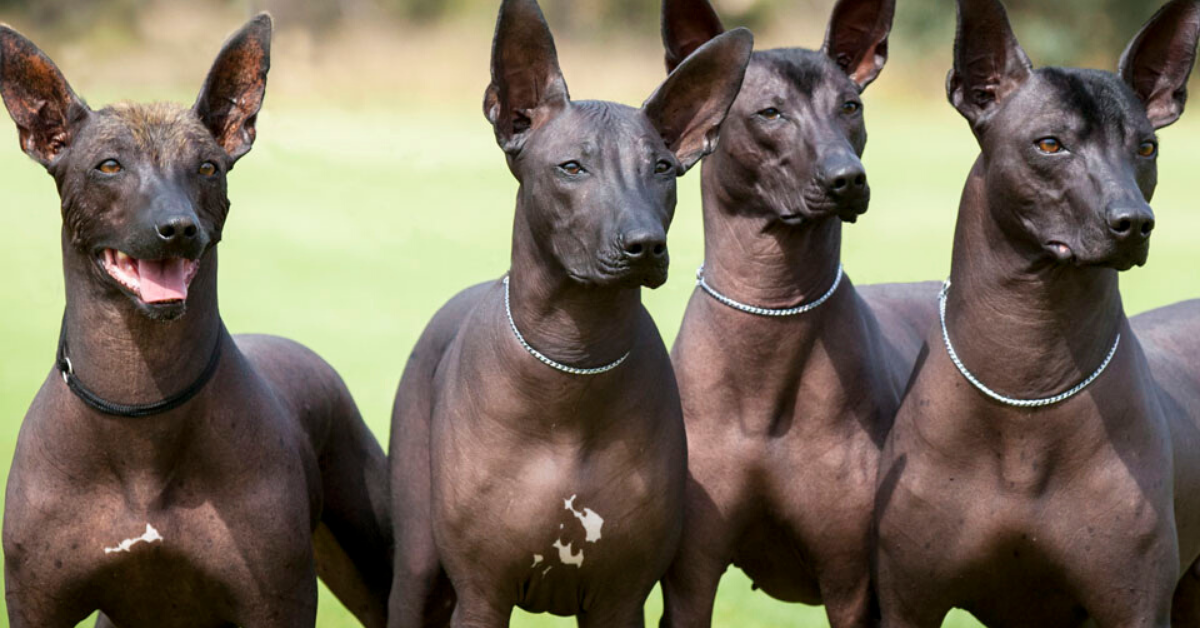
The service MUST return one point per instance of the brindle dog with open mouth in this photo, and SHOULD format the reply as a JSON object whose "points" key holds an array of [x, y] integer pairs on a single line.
{"points": [[538, 452], [167, 473], [1044, 469], [789, 375]]}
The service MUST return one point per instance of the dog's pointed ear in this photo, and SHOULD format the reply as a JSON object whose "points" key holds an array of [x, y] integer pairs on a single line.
{"points": [[1158, 62], [857, 37], [989, 64], [687, 25], [233, 93], [689, 107], [527, 88], [38, 97]]}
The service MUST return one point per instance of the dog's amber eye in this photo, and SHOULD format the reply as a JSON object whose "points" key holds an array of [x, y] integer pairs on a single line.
{"points": [[770, 113], [663, 167], [850, 107], [571, 167], [208, 169], [1049, 145], [1148, 149], [110, 166]]}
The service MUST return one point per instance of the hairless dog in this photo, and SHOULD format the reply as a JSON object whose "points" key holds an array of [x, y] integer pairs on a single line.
{"points": [[167, 473], [1044, 469], [538, 452], [789, 376]]}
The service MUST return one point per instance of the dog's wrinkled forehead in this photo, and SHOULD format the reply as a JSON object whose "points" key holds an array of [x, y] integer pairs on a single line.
{"points": [[160, 132], [805, 70], [599, 127], [1095, 104]]}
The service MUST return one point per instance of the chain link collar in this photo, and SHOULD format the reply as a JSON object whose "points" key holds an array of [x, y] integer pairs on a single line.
{"points": [[762, 311], [571, 370]]}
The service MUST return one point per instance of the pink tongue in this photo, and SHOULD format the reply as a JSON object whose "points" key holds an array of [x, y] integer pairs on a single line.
{"points": [[163, 280]]}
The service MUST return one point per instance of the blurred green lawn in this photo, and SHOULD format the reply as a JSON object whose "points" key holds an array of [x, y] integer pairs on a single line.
{"points": [[350, 227]]}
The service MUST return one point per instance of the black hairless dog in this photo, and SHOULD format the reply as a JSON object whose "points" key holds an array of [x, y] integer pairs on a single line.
{"points": [[789, 376], [167, 473], [1044, 469], [538, 451]]}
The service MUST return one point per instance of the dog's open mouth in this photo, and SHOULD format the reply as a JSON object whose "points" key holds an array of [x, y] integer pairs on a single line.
{"points": [[153, 281]]}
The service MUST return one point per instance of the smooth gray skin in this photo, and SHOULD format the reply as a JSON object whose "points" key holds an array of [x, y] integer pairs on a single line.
{"points": [[268, 469], [786, 416], [1086, 512], [489, 445]]}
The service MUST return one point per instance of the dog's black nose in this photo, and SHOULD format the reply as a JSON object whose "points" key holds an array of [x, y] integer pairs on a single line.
{"points": [[845, 180], [1131, 223], [645, 244], [177, 229]]}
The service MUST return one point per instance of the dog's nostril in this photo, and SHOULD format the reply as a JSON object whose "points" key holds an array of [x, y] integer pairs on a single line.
{"points": [[659, 249], [1123, 226], [1147, 227], [839, 183], [190, 231], [860, 180], [167, 231], [635, 248]]}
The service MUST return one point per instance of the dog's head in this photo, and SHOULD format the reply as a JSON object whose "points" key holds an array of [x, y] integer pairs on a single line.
{"points": [[143, 186], [598, 178], [791, 147], [1069, 155]]}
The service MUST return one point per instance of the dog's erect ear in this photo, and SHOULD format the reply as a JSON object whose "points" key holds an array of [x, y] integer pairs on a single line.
{"points": [[1159, 60], [38, 98], [527, 88], [233, 92], [857, 38], [989, 64], [689, 107], [687, 25]]}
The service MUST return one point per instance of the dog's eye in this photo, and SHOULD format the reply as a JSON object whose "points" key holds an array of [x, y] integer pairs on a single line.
{"points": [[110, 166], [770, 113], [851, 107], [1049, 145], [207, 169], [663, 167], [1148, 149], [572, 168]]}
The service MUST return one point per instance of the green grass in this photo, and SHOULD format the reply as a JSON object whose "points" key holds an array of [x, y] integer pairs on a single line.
{"points": [[349, 228]]}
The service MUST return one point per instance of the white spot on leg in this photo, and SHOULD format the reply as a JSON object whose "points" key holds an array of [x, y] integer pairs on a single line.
{"points": [[591, 521], [566, 555], [149, 536]]}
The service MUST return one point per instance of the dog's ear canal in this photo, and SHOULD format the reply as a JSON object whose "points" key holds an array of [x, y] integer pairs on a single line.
{"points": [[689, 107], [38, 97], [989, 64], [233, 93], [1158, 62], [527, 88], [687, 25], [857, 37]]}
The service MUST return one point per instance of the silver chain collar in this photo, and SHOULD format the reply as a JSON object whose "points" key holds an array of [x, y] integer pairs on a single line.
{"points": [[762, 311], [542, 357], [1019, 403]]}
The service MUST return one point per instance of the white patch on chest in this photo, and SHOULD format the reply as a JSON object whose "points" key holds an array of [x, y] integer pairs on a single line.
{"points": [[566, 555], [591, 521], [151, 535], [537, 560]]}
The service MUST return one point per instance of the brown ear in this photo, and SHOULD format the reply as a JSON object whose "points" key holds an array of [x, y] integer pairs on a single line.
{"points": [[233, 93], [1158, 62], [527, 88], [687, 25], [857, 37], [689, 107], [38, 98], [989, 64]]}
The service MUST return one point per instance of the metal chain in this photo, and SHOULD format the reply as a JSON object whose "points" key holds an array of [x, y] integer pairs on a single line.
{"points": [[543, 358], [1019, 403], [762, 311]]}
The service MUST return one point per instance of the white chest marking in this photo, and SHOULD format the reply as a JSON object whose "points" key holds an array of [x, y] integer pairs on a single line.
{"points": [[566, 555], [537, 560], [151, 535], [591, 521]]}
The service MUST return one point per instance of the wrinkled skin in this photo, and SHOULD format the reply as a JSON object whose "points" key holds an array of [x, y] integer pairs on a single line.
{"points": [[1086, 512], [786, 416], [265, 478], [515, 484]]}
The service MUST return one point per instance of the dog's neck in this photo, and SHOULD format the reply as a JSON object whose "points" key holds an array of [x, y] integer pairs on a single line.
{"points": [[1024, 326], [759, 261], [572, 323], [121, 354]]}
